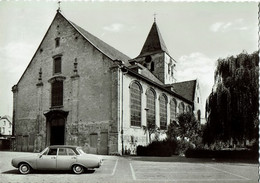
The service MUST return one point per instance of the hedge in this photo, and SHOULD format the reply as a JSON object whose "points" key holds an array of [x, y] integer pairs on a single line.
{"points": [[221, 154], [157, 148]]}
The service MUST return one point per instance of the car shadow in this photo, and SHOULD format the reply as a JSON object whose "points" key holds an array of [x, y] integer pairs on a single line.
{"points": [[15, 171]]}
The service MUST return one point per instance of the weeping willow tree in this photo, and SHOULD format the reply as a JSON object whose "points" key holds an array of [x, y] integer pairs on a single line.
{"points": [[232, 106]]}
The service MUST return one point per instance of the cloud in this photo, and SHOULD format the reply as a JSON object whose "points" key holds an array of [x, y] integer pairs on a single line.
{"points": [[216, 26], [116, 27], [15, 56], [237, 24], [197, 66]]}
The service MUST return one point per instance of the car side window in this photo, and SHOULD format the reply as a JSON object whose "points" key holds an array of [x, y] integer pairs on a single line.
{"points": [[62, 152], [52, 152], [70, 152]]}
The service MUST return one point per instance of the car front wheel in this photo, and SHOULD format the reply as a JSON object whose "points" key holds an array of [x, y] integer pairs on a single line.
{"points": [[24, 168], [77, 169]]}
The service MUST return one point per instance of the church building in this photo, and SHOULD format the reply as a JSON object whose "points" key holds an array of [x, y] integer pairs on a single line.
{"points": [[78, 90]]}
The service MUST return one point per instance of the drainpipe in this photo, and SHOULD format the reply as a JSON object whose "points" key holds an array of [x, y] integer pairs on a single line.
{"points": [[124, 71]]}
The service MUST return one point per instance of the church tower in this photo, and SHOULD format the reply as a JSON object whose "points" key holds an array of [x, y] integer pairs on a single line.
{"points": [[155, 57]]}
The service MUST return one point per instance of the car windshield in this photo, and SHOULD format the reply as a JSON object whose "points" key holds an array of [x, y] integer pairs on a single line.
{"points": [[80, 151], [44, 151]]}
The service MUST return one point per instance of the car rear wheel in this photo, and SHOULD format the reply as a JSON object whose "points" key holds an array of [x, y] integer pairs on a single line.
{"points": [[77, 169], [24, 168]]}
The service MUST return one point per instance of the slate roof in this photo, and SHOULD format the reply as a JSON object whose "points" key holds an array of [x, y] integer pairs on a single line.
{"points": [[154, 42], [146, 73], [108, 50], [115, 54], [185, 89]]}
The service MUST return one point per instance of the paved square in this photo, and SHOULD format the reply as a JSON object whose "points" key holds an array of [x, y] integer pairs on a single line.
{"points": [[185, 172], [117, 169]]}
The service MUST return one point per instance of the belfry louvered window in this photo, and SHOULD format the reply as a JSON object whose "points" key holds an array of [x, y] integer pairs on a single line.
{"points": [[57, 93], [150, 107], [135, 102], [173, 109], [163, 111]]}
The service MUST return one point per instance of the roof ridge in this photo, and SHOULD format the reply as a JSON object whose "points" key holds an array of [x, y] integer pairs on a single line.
{"points": [[6, 117], [80, 31], [162, 43], [184, 81]]}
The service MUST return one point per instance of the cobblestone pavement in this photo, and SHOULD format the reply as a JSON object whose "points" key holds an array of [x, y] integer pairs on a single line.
{"points": [[127, 169]]}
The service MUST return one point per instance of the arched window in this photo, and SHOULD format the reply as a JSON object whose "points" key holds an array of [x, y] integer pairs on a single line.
{"points": [[163, 111], [150, 107], [173, 107], [135, 102], [199, 115], [188, 108], [181, 108], [152, 66]]}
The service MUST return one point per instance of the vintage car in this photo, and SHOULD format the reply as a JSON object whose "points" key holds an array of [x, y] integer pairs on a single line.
{"points": [[58, 157]]}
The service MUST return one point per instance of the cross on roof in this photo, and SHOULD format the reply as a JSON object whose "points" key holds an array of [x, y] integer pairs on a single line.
{"points": [[154, 17], [59, 6]]}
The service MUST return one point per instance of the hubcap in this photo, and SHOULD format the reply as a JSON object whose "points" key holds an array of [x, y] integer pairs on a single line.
{"points": [[24, 168], [78, 168]]}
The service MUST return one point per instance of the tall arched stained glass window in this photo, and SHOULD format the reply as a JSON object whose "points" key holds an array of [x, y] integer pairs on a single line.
{"points": [[150, 106], [181, 108], [188, 109], [135, 102], [163, 111], [173, 108], [199, 115]]}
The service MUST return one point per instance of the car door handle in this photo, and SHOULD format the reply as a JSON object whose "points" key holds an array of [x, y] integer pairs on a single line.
{"points": [[73, 158], [53, 157]]}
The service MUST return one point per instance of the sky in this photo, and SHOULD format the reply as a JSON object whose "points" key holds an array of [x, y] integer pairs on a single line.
{"points": [[196, 34]]}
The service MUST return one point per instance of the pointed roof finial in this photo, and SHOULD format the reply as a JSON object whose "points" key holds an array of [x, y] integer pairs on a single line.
{"points": [[154, 17], [58, 10]]}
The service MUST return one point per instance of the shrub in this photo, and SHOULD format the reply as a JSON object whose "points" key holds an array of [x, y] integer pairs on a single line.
{"points": [[158, 148], [221, 154], [182, 146]]}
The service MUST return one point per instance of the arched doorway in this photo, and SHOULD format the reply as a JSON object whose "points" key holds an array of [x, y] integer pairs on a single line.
{"points": [[57, 131], [55, 127]]}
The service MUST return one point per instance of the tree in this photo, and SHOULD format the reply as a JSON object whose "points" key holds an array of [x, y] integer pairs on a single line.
{"points": [[150, 129], [186, 128], [232, 106]]}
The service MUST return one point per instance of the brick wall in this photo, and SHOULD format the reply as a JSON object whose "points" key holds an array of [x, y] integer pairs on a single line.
{"points": [[87, 98]]}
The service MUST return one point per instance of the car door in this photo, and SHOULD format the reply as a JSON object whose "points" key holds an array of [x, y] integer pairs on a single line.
{"points": [[48, 160], [66, 157]]}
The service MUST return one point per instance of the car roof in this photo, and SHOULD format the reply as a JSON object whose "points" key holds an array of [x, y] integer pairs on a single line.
{"points": [[63, 146]]}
